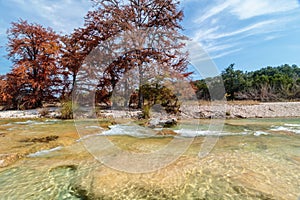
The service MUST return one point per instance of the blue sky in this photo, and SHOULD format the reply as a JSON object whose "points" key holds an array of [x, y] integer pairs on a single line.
{"points": [[250, 33]]}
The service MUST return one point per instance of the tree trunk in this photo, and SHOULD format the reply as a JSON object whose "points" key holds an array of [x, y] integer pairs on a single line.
{"points": [[140, 98]]}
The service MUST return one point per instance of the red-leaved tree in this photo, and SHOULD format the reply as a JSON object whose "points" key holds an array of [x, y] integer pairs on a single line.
{"points": [[35, 75], [141, 37]]}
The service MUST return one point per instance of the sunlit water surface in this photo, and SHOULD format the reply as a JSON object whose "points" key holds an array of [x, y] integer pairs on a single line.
{"points": [[253, 159]]}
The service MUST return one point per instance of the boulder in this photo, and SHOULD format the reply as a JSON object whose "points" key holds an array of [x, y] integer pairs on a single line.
{"points": [[162, 123], [166, 132]]}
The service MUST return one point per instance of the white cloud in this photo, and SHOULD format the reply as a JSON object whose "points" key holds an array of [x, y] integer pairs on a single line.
{"points": [[61, 15], [245, 9], [228, 26], [271, 37], [213, 11], [248, 29], [201, 60], [225, 53], [219, 47], [201, 34], [221, 43]]}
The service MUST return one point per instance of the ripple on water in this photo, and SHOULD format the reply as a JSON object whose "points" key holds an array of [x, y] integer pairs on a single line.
{"points": [[36, 122], [264, 168], [57, 183]]}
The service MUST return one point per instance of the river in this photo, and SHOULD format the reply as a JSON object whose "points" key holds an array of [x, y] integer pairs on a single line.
{"points": [[250, 159]]}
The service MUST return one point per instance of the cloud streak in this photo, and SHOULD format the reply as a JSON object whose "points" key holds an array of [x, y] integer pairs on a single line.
{"points": [[61, 15], [246, 9], [247, 29], [228, 27], [213, 11]]}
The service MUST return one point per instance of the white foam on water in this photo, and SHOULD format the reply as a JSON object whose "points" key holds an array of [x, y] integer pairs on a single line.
{"points": [[94, 127], [87, 136], [280, 128], [297, 131], [25, 123], [130, 130], [53, 120], [292, 125], [292, 129], [13, 128], [259, 133], [121, 129], [44, 152], [194, 133], [8, 124], [32, 122]]}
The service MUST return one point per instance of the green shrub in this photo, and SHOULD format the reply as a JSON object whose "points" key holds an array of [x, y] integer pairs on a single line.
{"points": [[67, 108], [159, 94], [146, 111]]}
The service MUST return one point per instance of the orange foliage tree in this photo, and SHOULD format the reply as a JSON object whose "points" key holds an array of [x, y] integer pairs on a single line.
{"points": [[73, 54], [99, 27], [45, 63], [35, 75], [4, 94], [158, 20]]}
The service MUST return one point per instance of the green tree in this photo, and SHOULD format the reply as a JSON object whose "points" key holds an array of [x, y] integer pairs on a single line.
{"points": [[234, 81]]}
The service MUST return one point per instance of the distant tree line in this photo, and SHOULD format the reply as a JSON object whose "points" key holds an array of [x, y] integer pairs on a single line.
{"points": [[267, 84]]}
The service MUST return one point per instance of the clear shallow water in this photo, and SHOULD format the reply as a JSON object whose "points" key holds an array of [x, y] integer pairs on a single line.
{"points": [[253, 159]]}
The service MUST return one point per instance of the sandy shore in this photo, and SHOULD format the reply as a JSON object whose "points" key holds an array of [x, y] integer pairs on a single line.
{"points": [[228, 110]]}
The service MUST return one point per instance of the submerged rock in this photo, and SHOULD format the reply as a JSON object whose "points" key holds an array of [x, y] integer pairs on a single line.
{"points": [[65, 167], [8, 159], [42, 139], [162, 123], [166, 132]]}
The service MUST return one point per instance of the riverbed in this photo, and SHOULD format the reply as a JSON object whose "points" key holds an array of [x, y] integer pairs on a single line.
{"points": [[50, 159]]}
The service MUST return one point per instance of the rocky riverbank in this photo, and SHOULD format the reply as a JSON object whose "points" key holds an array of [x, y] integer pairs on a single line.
{"points": [[52, 112], [265, 110], [259, 110], [215, 110]]}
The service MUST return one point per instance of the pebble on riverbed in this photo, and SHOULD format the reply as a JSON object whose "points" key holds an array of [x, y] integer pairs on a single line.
{"points": [[8, 159]]}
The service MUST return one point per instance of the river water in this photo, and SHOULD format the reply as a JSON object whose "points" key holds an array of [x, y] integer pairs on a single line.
{"points": [[252, 159]]}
